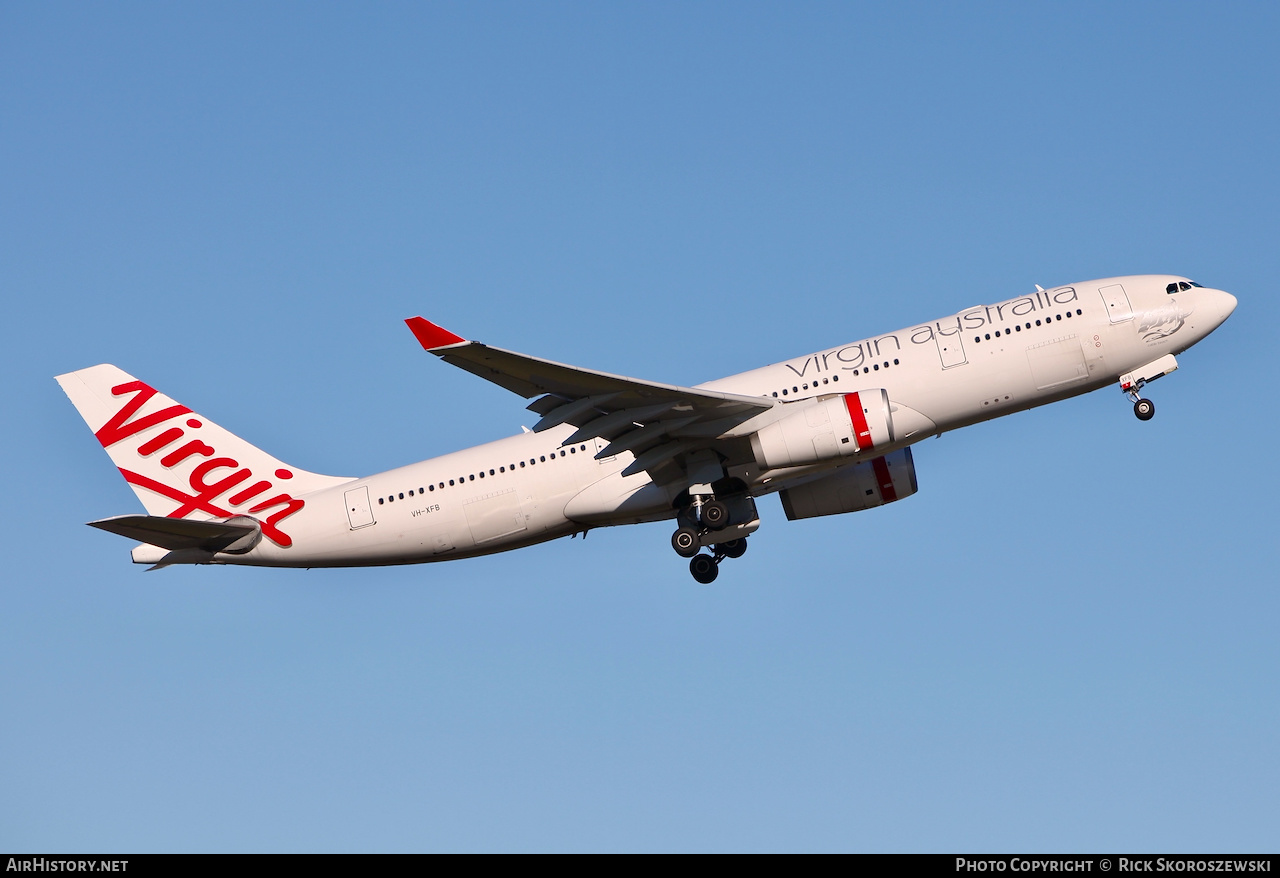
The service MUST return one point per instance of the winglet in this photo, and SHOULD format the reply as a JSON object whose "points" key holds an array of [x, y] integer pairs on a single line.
{"points": [[431, 336]]}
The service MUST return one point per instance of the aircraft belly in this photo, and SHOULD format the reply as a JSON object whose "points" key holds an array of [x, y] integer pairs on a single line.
{"points": [[616, 499]]}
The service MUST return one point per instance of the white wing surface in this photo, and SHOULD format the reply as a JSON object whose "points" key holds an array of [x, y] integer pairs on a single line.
{"points": [[658, 423]]}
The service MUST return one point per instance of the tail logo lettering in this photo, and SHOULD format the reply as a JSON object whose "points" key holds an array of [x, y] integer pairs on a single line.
{"points": [[207, 486]]}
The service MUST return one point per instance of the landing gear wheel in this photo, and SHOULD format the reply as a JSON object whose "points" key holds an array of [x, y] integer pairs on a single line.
{"points": [[1145, 409], [704, 569], [686, 541], [715, 514], [734, 548]]}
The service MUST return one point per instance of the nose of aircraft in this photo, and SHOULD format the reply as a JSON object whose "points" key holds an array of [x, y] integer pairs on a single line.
{"points": [[1228, 305], [1225, 304]]}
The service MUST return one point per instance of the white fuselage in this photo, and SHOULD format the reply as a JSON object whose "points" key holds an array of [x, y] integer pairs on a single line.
{"points": [[979, 364]]}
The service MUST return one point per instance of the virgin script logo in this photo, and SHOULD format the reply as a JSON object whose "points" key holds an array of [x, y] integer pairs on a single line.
{"points": [[122, 425]]}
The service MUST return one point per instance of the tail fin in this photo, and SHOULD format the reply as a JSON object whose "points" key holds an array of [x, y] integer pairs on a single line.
{"points": [[180, 464]]}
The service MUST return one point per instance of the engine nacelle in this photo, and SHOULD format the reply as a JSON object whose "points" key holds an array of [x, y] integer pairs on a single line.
{"points": [[863, 485], [827, 429]]}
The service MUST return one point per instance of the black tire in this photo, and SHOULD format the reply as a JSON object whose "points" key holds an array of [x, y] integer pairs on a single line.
{"points": [[686, 541], [1145, 409], [715, 514], [704, 568], [734, 548]]}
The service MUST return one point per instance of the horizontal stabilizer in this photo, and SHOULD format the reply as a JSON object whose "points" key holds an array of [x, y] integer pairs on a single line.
{"points": [[236, 535]]}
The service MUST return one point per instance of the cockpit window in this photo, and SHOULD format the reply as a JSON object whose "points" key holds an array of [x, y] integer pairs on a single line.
{"points": [[1181, 285]]}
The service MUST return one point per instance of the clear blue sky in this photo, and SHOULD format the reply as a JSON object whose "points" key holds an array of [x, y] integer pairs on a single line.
{"points": [[1066, 641]]}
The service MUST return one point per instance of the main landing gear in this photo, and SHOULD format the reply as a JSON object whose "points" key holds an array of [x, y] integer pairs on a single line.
{"points": [[701, 521], [705, 568], [695, 520]]}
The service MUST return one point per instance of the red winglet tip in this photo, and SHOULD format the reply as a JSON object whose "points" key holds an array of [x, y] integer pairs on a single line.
{"points": [[431, 336]]}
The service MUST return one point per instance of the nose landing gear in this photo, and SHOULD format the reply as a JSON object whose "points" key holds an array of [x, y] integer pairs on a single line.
{"points": [[1134, 381]]}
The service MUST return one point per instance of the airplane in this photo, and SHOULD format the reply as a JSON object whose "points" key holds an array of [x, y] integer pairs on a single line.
{"points": [[830, 432]]}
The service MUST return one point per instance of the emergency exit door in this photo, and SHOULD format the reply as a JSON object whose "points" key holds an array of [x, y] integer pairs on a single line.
{"points": [[359, 510], [1117, 302]]}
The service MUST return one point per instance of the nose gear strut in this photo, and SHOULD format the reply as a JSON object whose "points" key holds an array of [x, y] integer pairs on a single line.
{"points": [[1134, 381]]}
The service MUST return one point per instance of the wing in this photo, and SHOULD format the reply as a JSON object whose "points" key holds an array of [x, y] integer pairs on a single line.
{"points": [[658, 423]]}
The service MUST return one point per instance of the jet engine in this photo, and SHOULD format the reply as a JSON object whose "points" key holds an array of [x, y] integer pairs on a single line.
{"points": [[863, 485], [827, 429]]}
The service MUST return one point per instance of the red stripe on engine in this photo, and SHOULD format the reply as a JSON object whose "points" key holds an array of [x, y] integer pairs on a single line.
{"points": [[884, 480], [861, 432]]}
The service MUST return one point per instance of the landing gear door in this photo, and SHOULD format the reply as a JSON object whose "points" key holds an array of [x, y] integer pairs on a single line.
{"points": [[359, 510], [1117, 302]]}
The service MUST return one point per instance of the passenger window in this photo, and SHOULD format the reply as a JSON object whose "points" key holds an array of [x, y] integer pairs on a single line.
{"points": [[379, 501]]}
